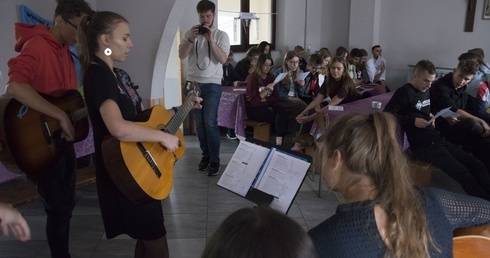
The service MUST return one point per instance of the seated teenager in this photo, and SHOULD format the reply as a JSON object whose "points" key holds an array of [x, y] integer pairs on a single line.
{"points": [[478, 89], [467, 130], [301, 54], [382, 214], [337, 88], [376, 66], [361, 66], [342, 52], [231, 78], [411, 106], [354, 59], [258, 233], [262, 97], [246, 66], [312, 84], [264, 47], [288, 93], [327, 58]]}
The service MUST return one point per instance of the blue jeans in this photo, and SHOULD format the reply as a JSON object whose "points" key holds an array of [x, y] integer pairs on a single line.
{"points": [[207, 121]]}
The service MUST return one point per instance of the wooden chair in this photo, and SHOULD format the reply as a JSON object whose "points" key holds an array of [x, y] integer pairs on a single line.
{"points": [[421, 171], [261, 130]]}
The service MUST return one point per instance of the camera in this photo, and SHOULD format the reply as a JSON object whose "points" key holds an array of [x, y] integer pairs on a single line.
{"points": [[202, 30]]}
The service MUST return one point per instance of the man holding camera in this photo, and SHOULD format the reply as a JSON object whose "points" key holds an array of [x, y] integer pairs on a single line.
{"points": [[207, 49]]}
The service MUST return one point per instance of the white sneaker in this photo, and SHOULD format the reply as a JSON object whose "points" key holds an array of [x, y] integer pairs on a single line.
{"points": [[231, 137]]}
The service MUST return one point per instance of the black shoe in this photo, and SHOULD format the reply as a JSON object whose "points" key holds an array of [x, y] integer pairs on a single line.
{"points": [[213, 169], [203, 165]]}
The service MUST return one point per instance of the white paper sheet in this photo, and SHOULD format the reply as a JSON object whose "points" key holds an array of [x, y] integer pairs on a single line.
{"points": [[280, 77], [242, 168], [282, 178], [446, 113], [302, 76]]}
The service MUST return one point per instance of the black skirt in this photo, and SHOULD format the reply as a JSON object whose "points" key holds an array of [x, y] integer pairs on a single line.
{"points": [[122, 216]]}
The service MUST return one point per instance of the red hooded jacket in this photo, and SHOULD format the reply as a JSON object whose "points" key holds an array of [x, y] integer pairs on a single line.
{"points": [[43, 63]]}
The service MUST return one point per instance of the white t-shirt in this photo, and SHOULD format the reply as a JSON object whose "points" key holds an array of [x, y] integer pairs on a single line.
{"points": [[373, 67], [203, 67]]}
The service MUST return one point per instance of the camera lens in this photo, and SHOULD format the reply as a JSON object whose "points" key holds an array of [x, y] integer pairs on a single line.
{"points": [[202, 30]]}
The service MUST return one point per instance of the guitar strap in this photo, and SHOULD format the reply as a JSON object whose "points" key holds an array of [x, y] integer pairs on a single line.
{"points": [[123, 87], [128, 86]]}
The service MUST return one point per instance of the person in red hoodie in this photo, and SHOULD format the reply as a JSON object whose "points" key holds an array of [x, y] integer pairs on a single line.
{"points": [[45, 65]]}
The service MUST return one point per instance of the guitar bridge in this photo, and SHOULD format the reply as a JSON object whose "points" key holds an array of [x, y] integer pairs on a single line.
{"points": [[149, 159]]}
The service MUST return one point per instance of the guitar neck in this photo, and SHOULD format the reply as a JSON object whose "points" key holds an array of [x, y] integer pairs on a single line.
{"points": [[175, 122]]}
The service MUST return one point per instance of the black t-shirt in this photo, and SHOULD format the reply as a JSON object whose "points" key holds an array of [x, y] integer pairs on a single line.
{"points": [[333, 88], [407, 104], [119, 214]]}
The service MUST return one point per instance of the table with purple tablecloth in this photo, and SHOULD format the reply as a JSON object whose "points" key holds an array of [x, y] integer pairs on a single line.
{"points": [[231, 109], [82, 149], [362, 106]]}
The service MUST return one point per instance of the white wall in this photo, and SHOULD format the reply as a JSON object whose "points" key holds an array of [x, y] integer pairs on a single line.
{"points": [[147, 20], [434, 30]]}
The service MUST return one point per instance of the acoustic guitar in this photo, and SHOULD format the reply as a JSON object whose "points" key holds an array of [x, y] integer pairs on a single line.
{"points": [[472, 242], [143, 171], [31, 141]]}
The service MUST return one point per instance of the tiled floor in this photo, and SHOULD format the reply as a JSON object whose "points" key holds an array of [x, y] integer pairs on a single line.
{"points": [[193, 210]]}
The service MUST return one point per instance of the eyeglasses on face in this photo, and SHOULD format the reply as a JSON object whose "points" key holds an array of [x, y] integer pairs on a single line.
{"points": [[67, 21], [314, 67]]}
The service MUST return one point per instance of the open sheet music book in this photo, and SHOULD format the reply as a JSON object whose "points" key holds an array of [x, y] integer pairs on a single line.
{"points": [[266, 176]]}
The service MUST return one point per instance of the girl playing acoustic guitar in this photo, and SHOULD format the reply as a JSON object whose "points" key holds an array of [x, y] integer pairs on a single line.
{"points": [[113, 105]]}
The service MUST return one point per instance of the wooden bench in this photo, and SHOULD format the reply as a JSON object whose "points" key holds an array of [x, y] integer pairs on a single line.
{"points": [[261, 130], [421, 171]]}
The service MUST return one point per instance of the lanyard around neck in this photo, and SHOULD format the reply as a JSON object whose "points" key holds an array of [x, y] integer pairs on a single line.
{"points": [[197, 56]]}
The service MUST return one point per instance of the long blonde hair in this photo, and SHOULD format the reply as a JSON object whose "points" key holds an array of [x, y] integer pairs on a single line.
{"points": [[285, 68], [370, 148]]}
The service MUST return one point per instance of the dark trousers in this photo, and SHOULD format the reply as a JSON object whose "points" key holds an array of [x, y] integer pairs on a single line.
{"points": [[462, 132], [286, 113], [262, 114], [467, 134], [57, 188], [459, 165]]}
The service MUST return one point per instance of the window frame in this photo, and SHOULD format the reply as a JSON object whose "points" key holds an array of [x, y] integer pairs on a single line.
{"points": [[245, 42]]}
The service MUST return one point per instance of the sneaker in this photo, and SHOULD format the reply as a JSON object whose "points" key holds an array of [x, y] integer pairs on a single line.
{"points": [[203, 165], [231, 136], [213, 169]]}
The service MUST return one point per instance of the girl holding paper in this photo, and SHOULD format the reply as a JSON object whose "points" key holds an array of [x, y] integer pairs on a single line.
{"points": [[289, 90], [262, 100]]}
